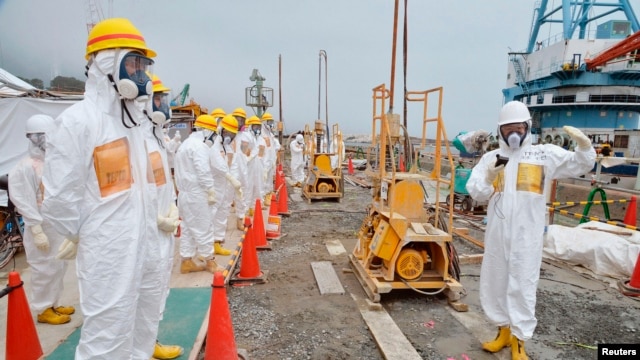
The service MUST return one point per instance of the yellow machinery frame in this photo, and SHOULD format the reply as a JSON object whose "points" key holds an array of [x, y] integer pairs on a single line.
{"points": [[322, 181], [400, 244]]}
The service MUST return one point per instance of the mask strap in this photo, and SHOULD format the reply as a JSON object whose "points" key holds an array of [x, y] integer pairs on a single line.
{"points": [[88, 66], [155, 134], [124, 109]]}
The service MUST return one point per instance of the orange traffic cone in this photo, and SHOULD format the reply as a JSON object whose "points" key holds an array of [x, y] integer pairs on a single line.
{"points": [[630, 215], [350, 167], [283, 198], [279, 179], [259, 235], [401, 166], [631, 287], [635, 277], [249, 266], [22, 341], [273, 207], [221, 343]]}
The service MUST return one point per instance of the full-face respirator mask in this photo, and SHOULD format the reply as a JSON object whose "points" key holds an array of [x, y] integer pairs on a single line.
{"points": [[133, 79], [161, 111], [256, 129]]}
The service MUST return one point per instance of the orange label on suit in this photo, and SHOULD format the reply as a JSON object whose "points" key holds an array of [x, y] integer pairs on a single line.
{"points": [[261, 151], [158, 168], [268, 141], [112, 165], [498, 183], [530, 178]]}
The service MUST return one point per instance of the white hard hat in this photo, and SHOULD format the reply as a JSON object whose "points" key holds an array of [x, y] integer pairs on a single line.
{"points": [[39, 123], [300, 138], [514, 112]]}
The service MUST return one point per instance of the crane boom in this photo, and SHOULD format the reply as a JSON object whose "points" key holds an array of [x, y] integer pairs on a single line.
{"points": [[181, 98], [625, 46]]}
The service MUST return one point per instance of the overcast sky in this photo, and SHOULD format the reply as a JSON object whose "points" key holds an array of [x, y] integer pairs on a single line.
{"points": [[460, 45]]}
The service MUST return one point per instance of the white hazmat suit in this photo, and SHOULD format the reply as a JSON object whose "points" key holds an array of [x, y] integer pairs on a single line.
{"points": [[195, 183], [26, 193], [167, 217], [515, 224], [239, 170], [224, 190], [97, 194], [270, 159], [255, 170], [297, 160]]}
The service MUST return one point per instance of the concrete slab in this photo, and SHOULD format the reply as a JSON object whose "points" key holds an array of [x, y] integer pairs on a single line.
{"points": [[326, 278]]}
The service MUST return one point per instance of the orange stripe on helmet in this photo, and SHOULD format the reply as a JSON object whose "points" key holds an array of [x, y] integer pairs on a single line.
{"points": [[114, 36]]}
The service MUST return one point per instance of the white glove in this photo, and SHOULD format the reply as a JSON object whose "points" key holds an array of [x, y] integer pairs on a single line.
{"points": [[170, 223], [493, 171], [40, 238], [580, 138], [234, 182], [68, 249], [211, 196]]}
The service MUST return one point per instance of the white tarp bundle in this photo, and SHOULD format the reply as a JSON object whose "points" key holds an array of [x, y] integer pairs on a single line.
{"points": [[17, 104], [605, 249], [11, 85]]}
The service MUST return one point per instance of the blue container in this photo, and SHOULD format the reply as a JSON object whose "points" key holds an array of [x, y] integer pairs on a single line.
{"points": [[460, 182]]}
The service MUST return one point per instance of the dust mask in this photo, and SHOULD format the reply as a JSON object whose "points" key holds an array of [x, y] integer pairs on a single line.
{"points": [[514, 140]]}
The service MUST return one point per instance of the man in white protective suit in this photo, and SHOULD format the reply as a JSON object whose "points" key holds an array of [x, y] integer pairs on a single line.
{"points": [[271, 156], [227, 186], [516, 191], [242, 145], [166, 213], [255, 165], [26, 193], [196, 195], [297, 160], [99, 194]]}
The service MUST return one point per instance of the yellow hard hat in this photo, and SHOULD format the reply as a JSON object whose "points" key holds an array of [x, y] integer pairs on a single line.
{"points": [[206, 122], [229, 123], [239, 112], [266, 117], [158, 86], [253, 120], [116, 33], [218, 112]]}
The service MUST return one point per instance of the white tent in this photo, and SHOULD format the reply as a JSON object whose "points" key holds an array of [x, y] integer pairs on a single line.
{"points": [[18, 102]]}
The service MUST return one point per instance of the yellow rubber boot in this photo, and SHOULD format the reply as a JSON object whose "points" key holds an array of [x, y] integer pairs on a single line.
{"points": [[65, 310], [517, 349], [162, 352], [251, 212], [502, 340], [50, 316], [188, 265], [219, 250], [212, 266]]}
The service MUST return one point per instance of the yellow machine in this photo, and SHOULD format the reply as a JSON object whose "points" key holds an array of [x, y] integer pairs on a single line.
{"points": [[401, 243], [324, 179]]}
